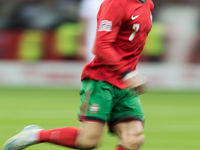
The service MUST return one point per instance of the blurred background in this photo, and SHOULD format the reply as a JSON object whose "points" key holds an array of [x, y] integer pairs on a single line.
{"points": [[49, 41], [44, 44]]}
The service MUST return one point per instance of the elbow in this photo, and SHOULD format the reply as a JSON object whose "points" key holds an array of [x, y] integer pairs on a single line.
{"points": [[97, 49], [100, 48]]}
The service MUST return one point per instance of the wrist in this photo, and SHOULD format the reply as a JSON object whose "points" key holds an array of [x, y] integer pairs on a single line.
{"points": [[130, 75]]}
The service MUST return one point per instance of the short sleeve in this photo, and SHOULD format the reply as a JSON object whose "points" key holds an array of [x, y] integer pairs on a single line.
{"points": [[110, 19]]}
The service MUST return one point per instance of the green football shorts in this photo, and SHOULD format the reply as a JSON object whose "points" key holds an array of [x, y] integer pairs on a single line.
{"points": [[103, 102]]}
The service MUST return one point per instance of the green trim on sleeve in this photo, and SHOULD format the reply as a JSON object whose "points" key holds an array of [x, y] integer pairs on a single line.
{"points": [[142, 1]]}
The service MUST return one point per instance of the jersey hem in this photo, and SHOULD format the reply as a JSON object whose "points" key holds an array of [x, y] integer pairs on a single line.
{"points": [[118, 86]]}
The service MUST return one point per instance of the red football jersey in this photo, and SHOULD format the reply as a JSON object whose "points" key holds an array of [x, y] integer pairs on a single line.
{"points": [[122, 29]]}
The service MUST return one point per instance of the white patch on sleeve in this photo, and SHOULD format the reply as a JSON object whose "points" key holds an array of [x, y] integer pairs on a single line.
{"points": [[105, 25]]}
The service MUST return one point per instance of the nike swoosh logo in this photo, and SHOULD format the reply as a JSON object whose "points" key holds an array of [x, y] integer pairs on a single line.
{"points": [[133, 18]]}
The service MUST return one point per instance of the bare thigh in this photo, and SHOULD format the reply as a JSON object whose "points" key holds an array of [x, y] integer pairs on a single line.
{"points": [[90, 135], [130, 134]]}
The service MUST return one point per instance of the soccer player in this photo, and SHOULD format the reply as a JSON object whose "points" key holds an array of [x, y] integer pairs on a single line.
{"points": [[110, 83]]}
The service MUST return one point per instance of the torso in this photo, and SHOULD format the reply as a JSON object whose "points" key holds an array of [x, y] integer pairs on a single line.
{"points": [[130, 40]]}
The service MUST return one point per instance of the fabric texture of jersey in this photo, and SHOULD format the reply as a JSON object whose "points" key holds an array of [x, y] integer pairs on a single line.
{"points": [[122, 29]]}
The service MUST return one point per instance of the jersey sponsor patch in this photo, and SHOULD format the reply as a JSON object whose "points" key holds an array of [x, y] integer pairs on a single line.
{"points": [[105, 25]]}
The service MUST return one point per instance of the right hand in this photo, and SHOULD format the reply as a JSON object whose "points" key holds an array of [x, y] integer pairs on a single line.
{"points": [[138, 83]]}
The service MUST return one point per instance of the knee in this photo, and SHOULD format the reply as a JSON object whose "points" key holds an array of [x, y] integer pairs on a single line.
{"points": [[89, 136], [88, 143], [88, 146], [133, 141]]}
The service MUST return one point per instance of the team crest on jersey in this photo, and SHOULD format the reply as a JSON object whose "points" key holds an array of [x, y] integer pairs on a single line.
{"points": [[105, 25], [94, 108]]}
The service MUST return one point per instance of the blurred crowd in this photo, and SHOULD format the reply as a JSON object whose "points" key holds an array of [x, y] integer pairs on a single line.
{"points": [[175, 35], [40, 14]]}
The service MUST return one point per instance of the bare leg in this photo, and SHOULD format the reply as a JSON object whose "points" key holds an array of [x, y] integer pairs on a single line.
{"points": [[90, 135], [130, 134]]}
